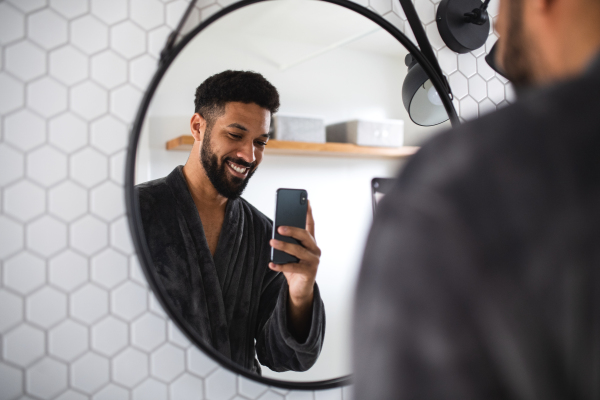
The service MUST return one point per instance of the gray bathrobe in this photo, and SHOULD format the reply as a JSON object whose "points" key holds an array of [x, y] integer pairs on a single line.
{"points": [[235, 302]]}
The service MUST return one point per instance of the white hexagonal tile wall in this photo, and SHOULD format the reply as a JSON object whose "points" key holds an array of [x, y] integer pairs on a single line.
{"points": [[11, 236], [47, 97], [47, 378], [89, 167], [434, 36], [176, 336], [89, 100], [68, 132], [11, 24], [111, 392], [136, 273], [448, 60], [68, 270], [158, 37], [47, 28], [209, 11], [329, 394], [117, 167], [250, 389], [186, 386], [477, 88], [23, 345], [125, 101], [46, 236], [276, 396], [127, 39], [109, 69], [89, 34], [46, 166], [67, 201], [89, 304], [129, 300], [68, 340], [12, 93], [381, 6], [89, 373], [495, 90], [46, 307], [147, 13], [486, 107], [174, 12], [25, 60], [109, 268], [11, 379], [89, 235], [68, 65], [11, 164], [109, 336], [120, 236], [24, 272], [220, 384], [467, 64], [167, 362], [71, 395], [69, 8], [108, 201], [109, 135], [130, 367], [24, 130], [28, 5], [11, 311], [109, 11], [148, 332], [199, 363], [150, 389], [141, 71], [469, 108], [484, 69], [24, 200]]}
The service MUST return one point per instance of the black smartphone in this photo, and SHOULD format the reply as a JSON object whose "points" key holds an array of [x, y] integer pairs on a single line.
{"points": [[291, 206], [379, 188]]}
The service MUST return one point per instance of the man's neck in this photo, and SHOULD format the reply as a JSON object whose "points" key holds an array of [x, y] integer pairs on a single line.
{"points": [[201, 188]]}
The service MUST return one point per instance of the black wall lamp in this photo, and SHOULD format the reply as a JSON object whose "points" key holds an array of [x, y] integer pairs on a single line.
{"points": [[464, 25]]}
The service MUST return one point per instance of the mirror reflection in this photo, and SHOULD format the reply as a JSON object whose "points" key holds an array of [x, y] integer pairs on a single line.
{"points": [[215, 148]]}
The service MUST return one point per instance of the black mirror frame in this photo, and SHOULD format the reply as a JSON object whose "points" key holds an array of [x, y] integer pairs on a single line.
{"points": [[132, 204]]}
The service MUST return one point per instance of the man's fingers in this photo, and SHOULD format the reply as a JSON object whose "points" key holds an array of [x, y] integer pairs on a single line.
{"points": [[290, 267], [310, 222], [302, 235], [295, 250]]}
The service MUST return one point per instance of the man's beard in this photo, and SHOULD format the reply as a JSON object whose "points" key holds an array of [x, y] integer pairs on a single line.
{"points": [[230, 187], [518, 58]]}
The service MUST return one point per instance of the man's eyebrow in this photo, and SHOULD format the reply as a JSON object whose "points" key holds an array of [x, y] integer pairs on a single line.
{"points": [[238, 126]]}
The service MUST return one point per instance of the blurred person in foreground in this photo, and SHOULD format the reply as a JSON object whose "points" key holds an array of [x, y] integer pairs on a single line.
{"points": [[481, 275]]}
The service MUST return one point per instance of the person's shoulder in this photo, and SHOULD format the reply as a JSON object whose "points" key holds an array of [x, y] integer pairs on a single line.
{"points": [[257, 215]]}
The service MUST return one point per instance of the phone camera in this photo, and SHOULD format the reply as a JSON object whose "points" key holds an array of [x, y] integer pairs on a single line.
{"points": [[302, 199]]}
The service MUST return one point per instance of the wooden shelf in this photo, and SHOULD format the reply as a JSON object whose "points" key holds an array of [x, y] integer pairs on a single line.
{"points": [[185, 143]]}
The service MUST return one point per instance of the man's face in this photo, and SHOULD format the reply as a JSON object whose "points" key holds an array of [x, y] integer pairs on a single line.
{"points": [[233, 146], [516, 51]]}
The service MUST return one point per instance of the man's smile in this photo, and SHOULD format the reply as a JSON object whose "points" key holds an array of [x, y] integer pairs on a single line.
{"points": [[238, 170]]}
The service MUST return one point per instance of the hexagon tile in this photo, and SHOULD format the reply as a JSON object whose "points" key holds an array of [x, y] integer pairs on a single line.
{"points": [[76, 318]]}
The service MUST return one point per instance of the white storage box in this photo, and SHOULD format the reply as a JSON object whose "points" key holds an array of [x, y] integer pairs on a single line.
{"points": [[298, 129], [385, 133]]}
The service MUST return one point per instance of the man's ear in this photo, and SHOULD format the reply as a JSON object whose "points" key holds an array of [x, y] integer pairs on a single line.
{"points": [[198, 127]]}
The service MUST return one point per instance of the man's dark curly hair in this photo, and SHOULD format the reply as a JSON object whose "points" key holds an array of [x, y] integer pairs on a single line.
{"points": [[240, 86]]}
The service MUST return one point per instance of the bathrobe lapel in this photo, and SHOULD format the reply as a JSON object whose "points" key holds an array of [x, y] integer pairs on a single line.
{"points": [[206, 283]]}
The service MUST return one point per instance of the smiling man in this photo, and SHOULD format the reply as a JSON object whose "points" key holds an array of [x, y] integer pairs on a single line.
{"points": [[211, 249]]}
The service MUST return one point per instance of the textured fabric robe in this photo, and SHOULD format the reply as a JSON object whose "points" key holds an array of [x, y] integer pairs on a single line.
{"points": [[481, 275], [235, 302]]}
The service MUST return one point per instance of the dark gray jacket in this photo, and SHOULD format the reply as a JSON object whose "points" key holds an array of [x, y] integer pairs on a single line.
{"points": [[481, 276]]}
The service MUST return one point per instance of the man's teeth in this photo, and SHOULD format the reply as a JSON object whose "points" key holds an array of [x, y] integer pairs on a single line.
{"points": [[238, 169]]}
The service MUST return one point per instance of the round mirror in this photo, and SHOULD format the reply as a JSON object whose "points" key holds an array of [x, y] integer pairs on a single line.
{"points": [[341, 122]]}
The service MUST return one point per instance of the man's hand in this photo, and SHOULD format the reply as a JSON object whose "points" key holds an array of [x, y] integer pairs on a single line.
{"points": [[301, 275]]}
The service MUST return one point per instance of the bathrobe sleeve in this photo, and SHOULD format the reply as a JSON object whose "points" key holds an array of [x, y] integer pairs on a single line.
{"points": [[276, 347]]}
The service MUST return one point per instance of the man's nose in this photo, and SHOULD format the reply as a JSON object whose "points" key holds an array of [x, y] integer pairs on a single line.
{"points": [[246, 152]]}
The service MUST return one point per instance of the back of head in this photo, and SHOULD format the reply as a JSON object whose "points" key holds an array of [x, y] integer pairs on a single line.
{"points": [[234, 86]]}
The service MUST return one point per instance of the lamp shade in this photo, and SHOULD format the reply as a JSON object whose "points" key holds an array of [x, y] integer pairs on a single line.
{"points": [[420, 97]]}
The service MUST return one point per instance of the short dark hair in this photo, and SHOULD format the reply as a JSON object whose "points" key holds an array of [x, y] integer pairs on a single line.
{"points": [[240, 86]]}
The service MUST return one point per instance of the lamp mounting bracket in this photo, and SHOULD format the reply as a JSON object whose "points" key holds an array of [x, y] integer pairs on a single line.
{"points": [[463, 30]]}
